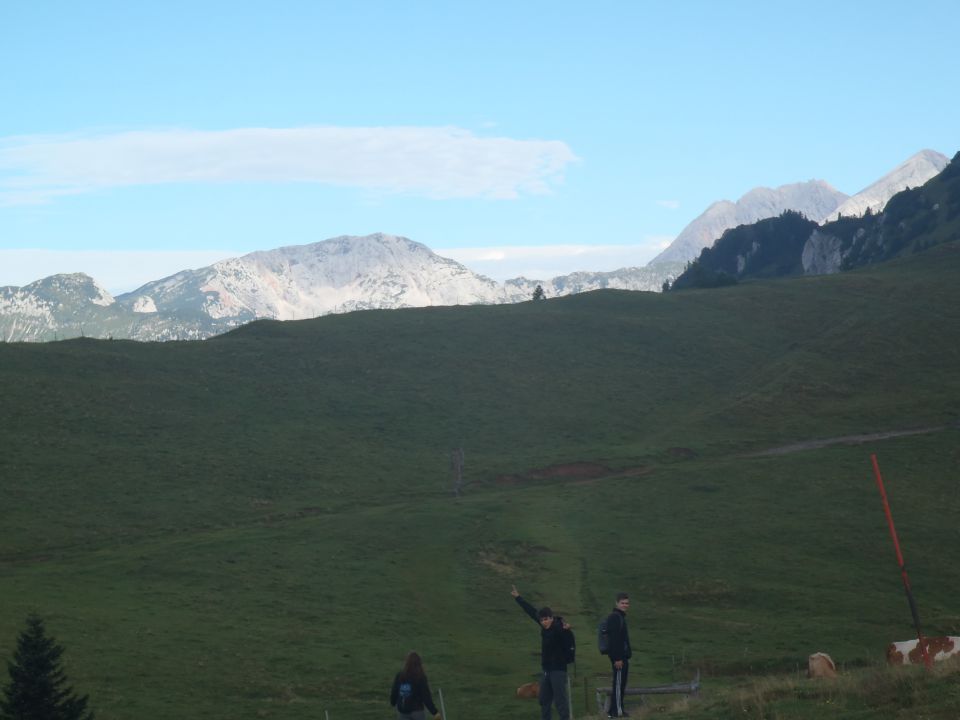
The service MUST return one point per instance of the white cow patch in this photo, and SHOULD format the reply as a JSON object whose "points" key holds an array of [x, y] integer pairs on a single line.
{"points": [[907, 652]]}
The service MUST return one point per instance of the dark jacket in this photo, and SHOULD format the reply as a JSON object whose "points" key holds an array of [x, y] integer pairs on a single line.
{"points": [[420, 694], [619, 637], [552, 655]]}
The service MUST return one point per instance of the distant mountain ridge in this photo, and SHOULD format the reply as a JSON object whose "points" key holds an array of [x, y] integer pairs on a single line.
{"points": [[816, 200], [912, 172], [383, 271], [339, 275], [911, 221], [332, 276], [40, 309]]}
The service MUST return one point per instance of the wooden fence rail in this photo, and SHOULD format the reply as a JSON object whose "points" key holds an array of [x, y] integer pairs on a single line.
{"points": [[691, 688]]}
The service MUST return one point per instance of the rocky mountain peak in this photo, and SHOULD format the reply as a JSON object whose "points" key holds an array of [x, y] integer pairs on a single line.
{"points": [[76, 288], [813, 199], [912, 172]]}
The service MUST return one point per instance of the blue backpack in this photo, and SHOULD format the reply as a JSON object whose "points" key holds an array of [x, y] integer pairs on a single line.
{"points": [[405, 698]]}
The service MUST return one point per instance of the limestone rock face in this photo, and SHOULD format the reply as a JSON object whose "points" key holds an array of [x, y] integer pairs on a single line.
{"points": [[822, 254]]}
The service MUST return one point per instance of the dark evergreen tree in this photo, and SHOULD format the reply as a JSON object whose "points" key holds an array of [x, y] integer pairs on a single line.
{"points": [[538, 293], [38, 688]]}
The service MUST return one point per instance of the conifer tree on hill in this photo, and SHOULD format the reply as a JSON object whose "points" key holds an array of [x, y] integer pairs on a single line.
{"points": [[38, 688]]}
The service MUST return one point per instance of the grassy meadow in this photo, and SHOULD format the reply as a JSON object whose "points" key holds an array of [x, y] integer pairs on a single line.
{"points": [[262, 524]]}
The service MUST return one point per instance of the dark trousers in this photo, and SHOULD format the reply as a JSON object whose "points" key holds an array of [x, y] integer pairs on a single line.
{"points": [[553, 690], [619, 688]]}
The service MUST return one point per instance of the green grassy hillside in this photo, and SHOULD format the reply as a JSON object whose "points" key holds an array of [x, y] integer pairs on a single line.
{"points": [[260, 525]]}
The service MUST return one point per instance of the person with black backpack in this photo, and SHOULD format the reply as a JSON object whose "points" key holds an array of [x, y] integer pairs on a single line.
{"points": [[411, 691], [617, 642], [557, 647]]}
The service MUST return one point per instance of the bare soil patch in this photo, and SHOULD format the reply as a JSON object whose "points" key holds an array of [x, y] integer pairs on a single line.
{"points": [[572, 471], [581, 473]]}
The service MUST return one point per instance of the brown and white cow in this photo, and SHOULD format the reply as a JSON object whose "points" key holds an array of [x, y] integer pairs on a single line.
{"points": [[529, 690], [821, 665], [908, 652]]}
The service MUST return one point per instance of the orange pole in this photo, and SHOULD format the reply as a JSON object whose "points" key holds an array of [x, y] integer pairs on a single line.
{"points": [[903, 570]]}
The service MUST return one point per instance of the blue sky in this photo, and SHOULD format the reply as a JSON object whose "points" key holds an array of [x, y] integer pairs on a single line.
{"points": [[141, 138]]}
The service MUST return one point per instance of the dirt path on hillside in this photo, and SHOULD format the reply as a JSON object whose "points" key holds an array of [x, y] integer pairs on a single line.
{"points": [[588, 473], [845, 440]]}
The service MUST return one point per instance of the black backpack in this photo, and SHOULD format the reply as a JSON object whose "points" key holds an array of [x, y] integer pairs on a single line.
{"points": [[569, 647], [603, 636]]}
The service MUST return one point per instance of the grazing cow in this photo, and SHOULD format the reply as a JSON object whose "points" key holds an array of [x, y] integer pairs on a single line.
{"points": [[529, 690], [821, 665], [908, 652]]}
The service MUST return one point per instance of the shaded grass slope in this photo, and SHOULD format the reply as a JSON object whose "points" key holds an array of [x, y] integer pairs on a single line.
{"points": [[259, 525]]}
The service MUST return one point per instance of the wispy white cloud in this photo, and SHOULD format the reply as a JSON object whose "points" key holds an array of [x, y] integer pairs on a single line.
{"points": [[543, 262], [669, 204], [436, 162]]}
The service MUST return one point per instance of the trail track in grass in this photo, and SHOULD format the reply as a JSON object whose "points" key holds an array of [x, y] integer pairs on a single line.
{"points": [[845, 440]]}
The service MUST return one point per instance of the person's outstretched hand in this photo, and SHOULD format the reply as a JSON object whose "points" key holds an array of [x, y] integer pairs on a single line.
{"points": [[515, 592]]}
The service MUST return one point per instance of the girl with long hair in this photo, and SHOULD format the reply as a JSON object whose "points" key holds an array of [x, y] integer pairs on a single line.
{"points": [[411, 691]]}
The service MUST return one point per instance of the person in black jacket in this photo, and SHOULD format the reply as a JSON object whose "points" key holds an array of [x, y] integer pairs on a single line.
{"points": [[553, 658], [411, 691], [619, 653]]}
